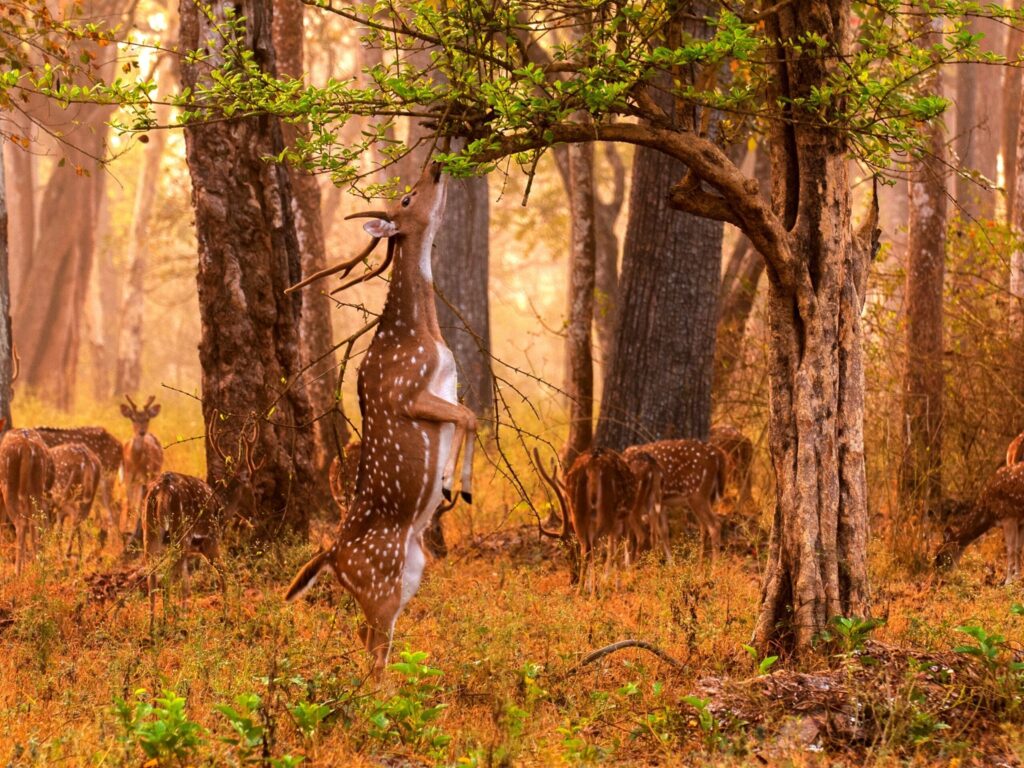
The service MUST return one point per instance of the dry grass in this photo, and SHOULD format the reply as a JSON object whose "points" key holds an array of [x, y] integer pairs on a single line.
{"points": [[506, 632]]}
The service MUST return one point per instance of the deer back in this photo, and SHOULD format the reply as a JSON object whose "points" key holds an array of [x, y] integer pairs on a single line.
{"points": [[182, 510], [1002, 498], [26, 470], [688, 467], [105, 445], [77, 473]]}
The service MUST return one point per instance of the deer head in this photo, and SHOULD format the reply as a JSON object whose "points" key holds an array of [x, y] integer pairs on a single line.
{"points": [[140, 416], [235, 491], [415, 212]]}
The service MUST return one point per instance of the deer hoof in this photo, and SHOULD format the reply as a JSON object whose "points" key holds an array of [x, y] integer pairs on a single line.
{"points": [[447, 493], [467, 497]]}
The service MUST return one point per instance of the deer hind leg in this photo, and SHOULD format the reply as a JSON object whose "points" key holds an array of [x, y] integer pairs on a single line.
{"points": [[379, 629], [711, 531], [1011, 537]]}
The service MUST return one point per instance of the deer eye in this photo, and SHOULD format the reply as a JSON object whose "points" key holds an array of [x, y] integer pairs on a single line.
{"points": [[406, 200]]}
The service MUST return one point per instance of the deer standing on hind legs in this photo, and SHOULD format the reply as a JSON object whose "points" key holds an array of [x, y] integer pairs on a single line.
{"points": [[414, 428], [143, 459]]}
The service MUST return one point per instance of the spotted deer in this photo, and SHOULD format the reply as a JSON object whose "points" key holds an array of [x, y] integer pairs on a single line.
{"points": [[184, 514], [341, 475], [648, 518], [692, 473], [596, 499], [739, 454], [108, 450], [77, 472], [414, 428], [26, 476], [1015, 451], [1001, 502], [143, 457]]}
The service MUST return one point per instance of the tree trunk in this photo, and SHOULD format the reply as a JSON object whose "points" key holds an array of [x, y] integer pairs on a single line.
{"points": [[20, 192], [658, 384], [6, 349], [606, 275], [1011, 98], [248, 255], [461, 272], [315, 332], [817, 553], [1016, 313], [921, 467], [128, 371], [977, 129], [579, 377]]}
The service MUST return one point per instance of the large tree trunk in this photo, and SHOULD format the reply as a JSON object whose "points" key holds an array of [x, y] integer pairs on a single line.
{"points": [[248, 256], [128, 371], [579, 376], [6, 349], [315, 334], [461, 273], [817, 554], [658, 384], [921, 466], [1016, 313]]}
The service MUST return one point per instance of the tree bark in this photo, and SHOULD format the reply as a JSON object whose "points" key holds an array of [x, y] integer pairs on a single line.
{"points": [[315, 331], [248, 255], [6, 349], [1016, 313], [921, 466], [128, 370], [1011, 98], [20, 192], [579, 376], [606, 274], [817, 553], [658, 384], [461, 280]]}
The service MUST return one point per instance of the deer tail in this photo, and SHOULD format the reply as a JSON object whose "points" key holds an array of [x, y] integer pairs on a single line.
{"points": [[307, 575]]}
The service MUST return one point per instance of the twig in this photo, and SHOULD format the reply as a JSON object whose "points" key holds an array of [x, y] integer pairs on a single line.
{"points": [[600, 653]]}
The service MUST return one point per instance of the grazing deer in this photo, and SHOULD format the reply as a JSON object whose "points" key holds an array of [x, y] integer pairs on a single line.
{"points": [[1015, 451], [185, 513], [1000, 501], [739, 454], [414, 428], [648, 518], [77, 472], [692, 473], [108, 450], [596, 500], [26, 476], [143, 458], [342, 475]]}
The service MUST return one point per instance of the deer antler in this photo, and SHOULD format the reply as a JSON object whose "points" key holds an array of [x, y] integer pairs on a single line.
{"points": [[370, 275], [552, 480], [149, 402], [345, 267], [249, 444], [368, 215], [211, 433], [131, 402]]}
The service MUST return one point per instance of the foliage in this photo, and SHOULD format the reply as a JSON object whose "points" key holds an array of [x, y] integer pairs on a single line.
{"points": [[409, 715], [159, 727]]}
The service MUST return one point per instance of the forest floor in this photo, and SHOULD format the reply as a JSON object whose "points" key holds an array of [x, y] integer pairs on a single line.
{"points": [[487, 664]]}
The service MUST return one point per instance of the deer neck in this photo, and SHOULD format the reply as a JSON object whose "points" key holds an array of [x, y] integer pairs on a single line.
{"points": [[410, 303]]}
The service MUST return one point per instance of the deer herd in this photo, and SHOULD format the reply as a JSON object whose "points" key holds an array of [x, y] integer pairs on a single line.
{"points": [[392, 486]]}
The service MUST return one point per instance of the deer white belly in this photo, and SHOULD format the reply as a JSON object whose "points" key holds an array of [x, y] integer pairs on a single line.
{"points": [[443, 384]]}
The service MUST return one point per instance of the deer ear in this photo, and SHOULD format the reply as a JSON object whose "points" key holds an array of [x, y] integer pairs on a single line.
{"points": [[380, 228], [126, 411], [153, 410]]}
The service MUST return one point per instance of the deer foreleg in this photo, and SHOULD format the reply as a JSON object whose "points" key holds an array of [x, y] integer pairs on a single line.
{"points": [[427, 406]]}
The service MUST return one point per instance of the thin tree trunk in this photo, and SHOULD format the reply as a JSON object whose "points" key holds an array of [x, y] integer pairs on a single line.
{"points": [[606, 277], [1016, 313], [315, 333], [461, 276], [658, 384], [6, 349], [248, 255], [579, 378], [1011, 98], [977, 129], [20, 191], [128, 370], [921, 470]]}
